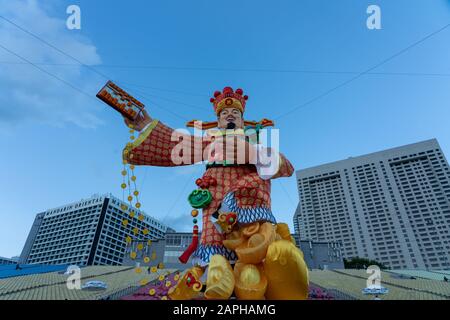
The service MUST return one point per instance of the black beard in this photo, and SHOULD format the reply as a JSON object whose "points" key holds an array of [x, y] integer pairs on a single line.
{"points": [[231, 126]]}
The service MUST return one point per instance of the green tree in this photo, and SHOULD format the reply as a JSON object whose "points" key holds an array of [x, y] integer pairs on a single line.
{"points": [[361, 263]]}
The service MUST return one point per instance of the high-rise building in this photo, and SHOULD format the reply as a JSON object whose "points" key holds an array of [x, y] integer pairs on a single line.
{"points": [[392, 206], [87, 232]]}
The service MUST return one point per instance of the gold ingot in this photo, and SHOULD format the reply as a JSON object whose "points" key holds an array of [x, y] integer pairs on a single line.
{"points": [[220, 282], [251, 282], [255, 248], [286, 272], [283, 230]]}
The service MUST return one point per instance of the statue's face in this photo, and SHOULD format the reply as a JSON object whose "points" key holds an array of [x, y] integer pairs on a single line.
{"points": [[230, 115]]}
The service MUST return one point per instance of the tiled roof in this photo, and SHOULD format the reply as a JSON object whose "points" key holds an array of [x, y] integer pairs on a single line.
{"points": [[52, 286], [351, 282]]}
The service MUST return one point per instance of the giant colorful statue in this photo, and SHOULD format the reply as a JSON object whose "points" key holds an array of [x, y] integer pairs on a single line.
{"points": [[242, 247]]}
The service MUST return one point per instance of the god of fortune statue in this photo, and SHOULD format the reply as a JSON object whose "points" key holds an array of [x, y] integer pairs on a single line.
{"points": [[243, 247]]}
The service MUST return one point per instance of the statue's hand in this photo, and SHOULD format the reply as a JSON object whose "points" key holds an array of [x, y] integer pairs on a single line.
{"points": [[140, 122]]}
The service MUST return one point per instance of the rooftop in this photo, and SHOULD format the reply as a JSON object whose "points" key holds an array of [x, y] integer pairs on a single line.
{"points": [[129, 284]]}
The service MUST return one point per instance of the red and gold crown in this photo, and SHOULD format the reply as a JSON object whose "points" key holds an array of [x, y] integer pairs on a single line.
{"points": [[229, 98]]}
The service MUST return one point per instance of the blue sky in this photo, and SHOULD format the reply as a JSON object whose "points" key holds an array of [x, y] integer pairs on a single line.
{"points": [[59, 146]]}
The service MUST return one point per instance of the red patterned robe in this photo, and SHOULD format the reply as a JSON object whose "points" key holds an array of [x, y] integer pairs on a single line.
{"points": [[239, 188]]}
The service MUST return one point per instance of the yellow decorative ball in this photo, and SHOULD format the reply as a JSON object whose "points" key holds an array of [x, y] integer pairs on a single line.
{"points": [[141, 217], [124, 172], [132, 138], [132, 214], [146, 259], [130, 198], [153, 269], [176, 278], [133, 178], [164, 298], [132, 166], [123, 207], [138, 205], [125, 222], [138, 270], [135, 231], [145, 231], [161, 277], [168, 284], [194, 213], [123, 185], [128, 239], [136, 193], [133, 255], [152, 292], [144, 282], [140, 246], [149, 242]]}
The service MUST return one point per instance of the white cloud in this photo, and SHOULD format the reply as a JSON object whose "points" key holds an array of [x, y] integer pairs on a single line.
{"points": [[29, 95]]}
